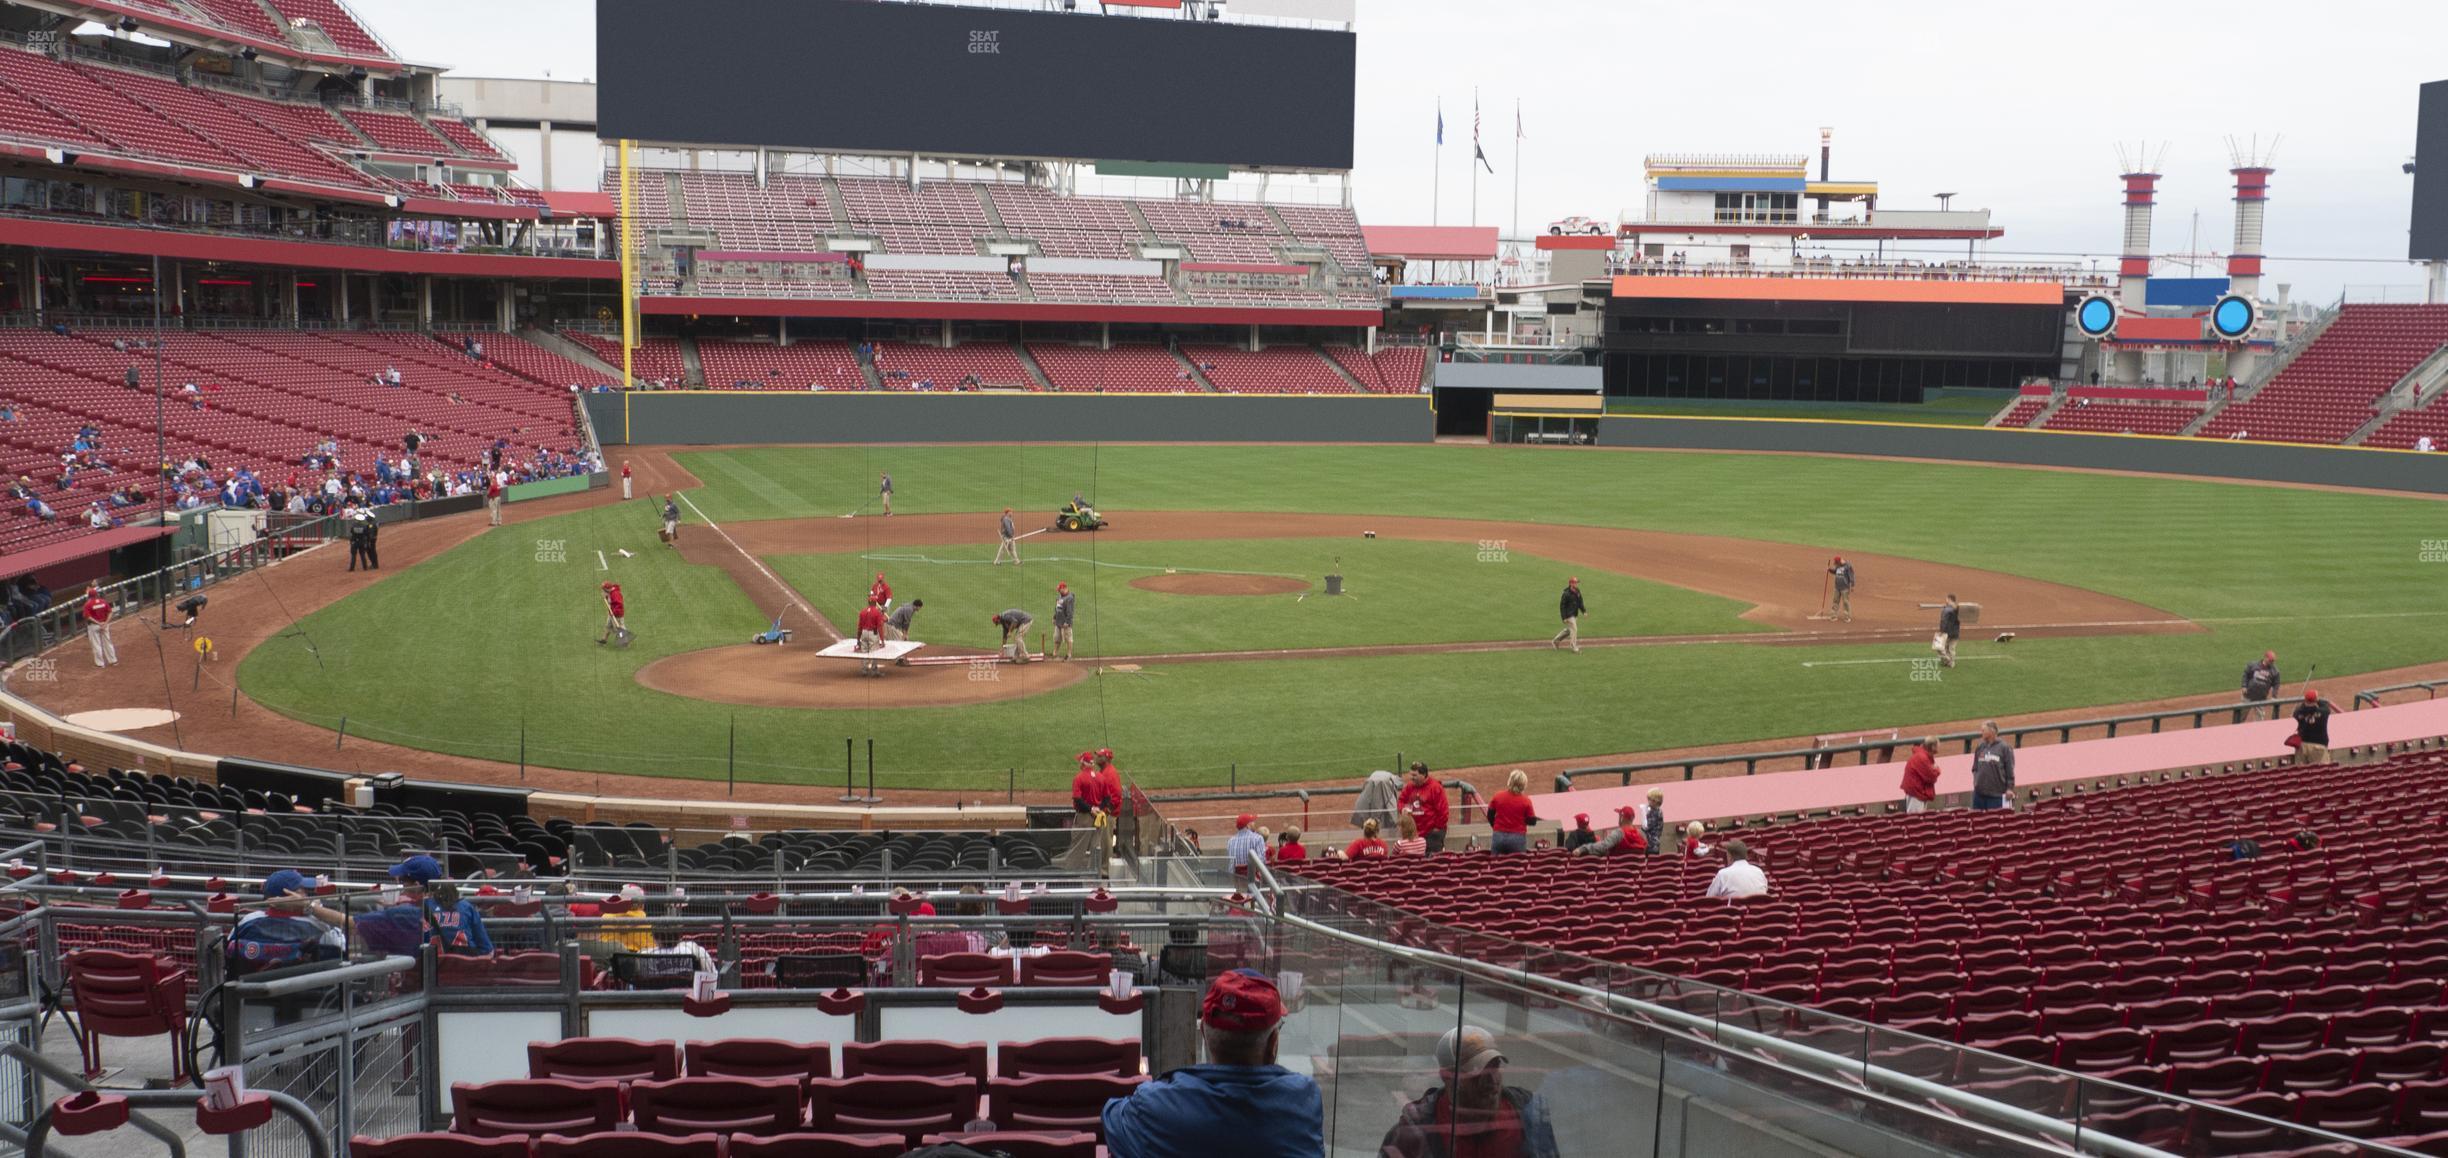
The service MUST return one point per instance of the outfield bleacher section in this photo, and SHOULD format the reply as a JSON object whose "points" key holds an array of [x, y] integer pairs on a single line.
{"points": [[2122, 418], [2330, 388]]}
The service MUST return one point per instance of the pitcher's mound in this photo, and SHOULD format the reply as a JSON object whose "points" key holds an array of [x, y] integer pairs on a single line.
{"points": [[792, 677], [1214, 583]]}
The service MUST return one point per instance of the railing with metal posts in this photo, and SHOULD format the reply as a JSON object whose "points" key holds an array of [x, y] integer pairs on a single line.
{"points": [[1715, 1020], [1825, 756]]}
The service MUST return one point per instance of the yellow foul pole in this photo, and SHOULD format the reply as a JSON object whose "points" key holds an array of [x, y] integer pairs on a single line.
{"points": [[628, 266]]}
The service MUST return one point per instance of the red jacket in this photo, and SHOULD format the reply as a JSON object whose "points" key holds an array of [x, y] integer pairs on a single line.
{"points": [[880, 591], [871, 618], [1510, 811], [1287, 853], [1426, 804], [1087, 790], [1921, 774], [97, 610], [1109, 788]]}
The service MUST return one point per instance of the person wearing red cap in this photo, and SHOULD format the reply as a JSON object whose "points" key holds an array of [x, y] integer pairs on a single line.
{"points": [[1625, 839], [1109, 782], [2312, 727], [1510, 815], [1921, 775], [1010, 544], [1572, 607], [880, 592], [625, 479], [1474, 1114], [871, 635], [617, 613], [1064, 604], [1086, 793], [1424, 799], [2260, 686], [1247, 846], [97, 615], [1581, 833], [1239, 1102], [1840, 603]]}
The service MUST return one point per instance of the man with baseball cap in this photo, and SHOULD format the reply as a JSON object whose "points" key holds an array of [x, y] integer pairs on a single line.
{"points": [[1572, 609], [289, 929], [1581, 833], [1474, 1113], [1840, 603], [1247, 846], [1239, 1103], [1625, 839], [2260, 684], [2312, 728]]}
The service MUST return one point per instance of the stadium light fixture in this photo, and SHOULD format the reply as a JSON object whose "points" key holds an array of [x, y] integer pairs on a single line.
{"points": [[127, 24]]}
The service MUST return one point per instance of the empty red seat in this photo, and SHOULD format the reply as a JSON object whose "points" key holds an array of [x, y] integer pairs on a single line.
{"points": [[717, 1106], [2412, 1062], [964, 970], [117, 994], [1066, 967], [756, 1057], [915, 1059], [817, 1145], [2358, 1111], [2321, 1069], [909, 1106], [629, 1144], [2286, 1033], [1024, 1144], [534, 1106], [437, 1145], [2098, 1051], [1056, 1102], [603, 1059], [1069, 1056], [2224, 1080]]}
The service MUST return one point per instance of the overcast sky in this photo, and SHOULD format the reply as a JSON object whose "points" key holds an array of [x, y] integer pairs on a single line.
{"points": [[2015, 108]]}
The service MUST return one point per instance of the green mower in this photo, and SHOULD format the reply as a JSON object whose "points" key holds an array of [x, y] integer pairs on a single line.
{"points": [[1078, 516]]}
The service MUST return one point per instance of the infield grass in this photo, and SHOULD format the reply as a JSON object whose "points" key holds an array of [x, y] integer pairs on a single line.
{"points": [[455, 654]]}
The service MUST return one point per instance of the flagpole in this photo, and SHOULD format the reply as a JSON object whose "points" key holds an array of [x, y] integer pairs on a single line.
{"points": [[1517, 147], [1475, 153]]}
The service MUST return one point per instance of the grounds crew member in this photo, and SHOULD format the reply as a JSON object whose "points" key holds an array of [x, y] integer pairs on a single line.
{"points": [[1015, 624], [2312, 728], [1010, 545], [671, 520], [1950, 629], [2260, 683], [880, 592], [97, 615], [1064, 603], [495, 483], [897, 625], [360, 535], [884, 492], [1572, 609], [1841, 609], [871, 634], [615, 623], [625, 480]]}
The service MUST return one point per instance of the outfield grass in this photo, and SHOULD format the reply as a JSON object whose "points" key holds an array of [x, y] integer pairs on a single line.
{"points": [[1398, 591], [453, 655]]}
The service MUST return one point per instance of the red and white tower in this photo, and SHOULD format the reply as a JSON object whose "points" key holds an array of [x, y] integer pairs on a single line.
{"points": [[2134, 262], [2252, 172]]}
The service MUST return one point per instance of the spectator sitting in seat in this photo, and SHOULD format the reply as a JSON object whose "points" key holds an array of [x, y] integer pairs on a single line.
{"points": [[1693, 844], [1581, 833], [1410, 842], [2303, 839], [622, 937], [1474, 1112], [39, 509], [2243, 848], [1368, 845], [1240, 1094], [444, 918], [290, 929], [1624, 839], [1739, 878], [1288, 848]]}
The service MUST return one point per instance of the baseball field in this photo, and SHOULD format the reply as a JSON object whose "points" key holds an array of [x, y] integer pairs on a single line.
{"points": [[1207, 646]]}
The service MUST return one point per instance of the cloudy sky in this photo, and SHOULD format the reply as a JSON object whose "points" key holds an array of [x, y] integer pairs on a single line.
{"points": [[2019, 109]]}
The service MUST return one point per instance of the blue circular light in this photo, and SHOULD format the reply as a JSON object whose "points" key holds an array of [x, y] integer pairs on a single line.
{"points": [[2232, 317], [2096, 316]]}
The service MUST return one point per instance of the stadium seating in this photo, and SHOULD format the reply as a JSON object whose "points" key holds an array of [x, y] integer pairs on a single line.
{"points": [[765, 366], [996, 365], [1121, 370], [1391, 370], [654, 359], [398, 132], [2025, 409], [2328, 389], [338, 25], [2118, 418], [1277, 370], [2100, 933]]}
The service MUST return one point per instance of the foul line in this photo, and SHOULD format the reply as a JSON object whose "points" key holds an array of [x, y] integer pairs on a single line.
{"points": [[600, 563], [788, 591], [1902, 659]]}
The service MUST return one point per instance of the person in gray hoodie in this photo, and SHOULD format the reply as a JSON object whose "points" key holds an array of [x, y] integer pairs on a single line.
{"points": [[1992, 769]]}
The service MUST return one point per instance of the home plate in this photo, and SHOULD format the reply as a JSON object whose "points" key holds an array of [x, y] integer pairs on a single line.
{"points": [[122, 719]]}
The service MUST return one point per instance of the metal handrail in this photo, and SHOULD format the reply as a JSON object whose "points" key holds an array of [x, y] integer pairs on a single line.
{"points": [[63, 1076], [317, 1145], [1824, 756], [1714, 1031]]}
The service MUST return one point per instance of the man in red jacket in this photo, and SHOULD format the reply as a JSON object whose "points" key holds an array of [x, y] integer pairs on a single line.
{"points": [[1109, 781], [1921, 775], [615, 626], [871, 635], [1087, 789], [880, 592], [97, 615], [1424, 799]]}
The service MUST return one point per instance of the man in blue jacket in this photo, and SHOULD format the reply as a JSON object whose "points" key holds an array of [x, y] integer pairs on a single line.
{"points": [[1240, 1102]]}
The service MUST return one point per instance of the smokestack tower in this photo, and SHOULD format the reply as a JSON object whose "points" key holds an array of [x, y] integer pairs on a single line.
{"points": [[2141, 178], [2252, 171]]}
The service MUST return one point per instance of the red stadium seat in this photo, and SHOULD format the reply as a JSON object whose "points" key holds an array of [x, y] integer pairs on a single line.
{"points": [[717, 1106], [1056, 1102], [2359, 1111], [535, 1106], [603, 1059], [2321, 1069], [752, 1057], [819, 1146], [915, 1059], [627, 1144], [1068, 1056], [1066, 967], [127, 995], [437, 1145], [1022, 1144], [964, 970], [911, 1107]]}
